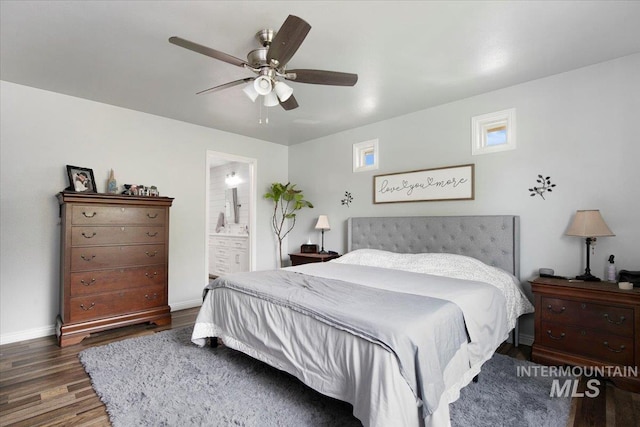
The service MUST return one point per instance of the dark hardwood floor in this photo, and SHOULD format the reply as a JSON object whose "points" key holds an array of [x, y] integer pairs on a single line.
{"points": [[42, 384]]}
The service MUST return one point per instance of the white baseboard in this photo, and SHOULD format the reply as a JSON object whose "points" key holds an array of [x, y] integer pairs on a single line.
{"points": [[29, 334], [45, 331], [185, 304], [526, 339]]}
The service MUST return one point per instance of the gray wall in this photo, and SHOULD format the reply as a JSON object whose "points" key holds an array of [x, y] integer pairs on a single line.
{"points": [[42, 131], [579, 128]]}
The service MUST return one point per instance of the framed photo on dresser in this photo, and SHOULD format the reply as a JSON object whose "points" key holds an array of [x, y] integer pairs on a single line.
{"points": [[81, 180]]}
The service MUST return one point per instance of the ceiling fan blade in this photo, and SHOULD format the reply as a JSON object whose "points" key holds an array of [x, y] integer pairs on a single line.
{"points": [[287, 40], [225, 86], [290, 103], [322, 77], [207, 51]]}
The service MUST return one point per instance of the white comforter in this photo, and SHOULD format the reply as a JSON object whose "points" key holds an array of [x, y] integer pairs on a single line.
{"points": [[347, 367], [448, 265]]}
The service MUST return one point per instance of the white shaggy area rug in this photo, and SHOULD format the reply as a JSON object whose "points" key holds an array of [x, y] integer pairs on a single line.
{"points": [[165, 380]]}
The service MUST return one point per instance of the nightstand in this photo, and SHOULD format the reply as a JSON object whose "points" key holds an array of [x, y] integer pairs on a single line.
{"points": [[587, 324], [300, 258]]}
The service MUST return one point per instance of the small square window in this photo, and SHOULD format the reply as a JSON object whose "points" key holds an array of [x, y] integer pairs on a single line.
{"points": [[496, 136], [365, 156], [493, 132], [369, 158]]}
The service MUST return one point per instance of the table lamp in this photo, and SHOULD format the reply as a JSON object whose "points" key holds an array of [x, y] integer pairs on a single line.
{"points": [[323, 224], [588, 224]]}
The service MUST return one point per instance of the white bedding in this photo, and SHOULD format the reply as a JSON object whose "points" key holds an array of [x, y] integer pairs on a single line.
{"points": [[448, 265], [347, 367]]}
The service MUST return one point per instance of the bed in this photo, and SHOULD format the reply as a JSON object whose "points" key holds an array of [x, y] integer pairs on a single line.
{"points": [[353, 328]]}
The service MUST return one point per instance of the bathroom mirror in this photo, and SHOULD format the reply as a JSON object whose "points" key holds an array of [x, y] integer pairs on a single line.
{"points": [[231, 205]]}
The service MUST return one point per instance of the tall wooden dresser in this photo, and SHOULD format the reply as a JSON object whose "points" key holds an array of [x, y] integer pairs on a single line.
{"points": [[113, 263]]}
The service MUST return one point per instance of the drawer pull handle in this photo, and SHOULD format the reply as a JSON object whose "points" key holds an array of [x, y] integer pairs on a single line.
{"points": [[88, 237], [151, 255], [93, 304], [89, 283], [606, 316], [154, 216], [554, 338], [152, 235], [87, 258], [151, 297], [151, 276], [555, 311], [89, 216], [606, 344]]}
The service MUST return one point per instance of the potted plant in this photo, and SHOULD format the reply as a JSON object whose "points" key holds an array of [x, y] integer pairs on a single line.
{"points": [[287, 200]]}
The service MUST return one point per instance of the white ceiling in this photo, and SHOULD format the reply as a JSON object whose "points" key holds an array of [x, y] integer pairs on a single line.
{"points": [[409, 55]]}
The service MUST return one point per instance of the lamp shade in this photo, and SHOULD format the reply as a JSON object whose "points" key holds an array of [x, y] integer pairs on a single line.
{"points": [[323, 223], [271, 100], [262, 85], [588, 223], [250, 91], [283, 91]]}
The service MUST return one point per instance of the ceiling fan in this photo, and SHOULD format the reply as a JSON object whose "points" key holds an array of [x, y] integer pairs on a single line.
{"points": [[269, 63]]}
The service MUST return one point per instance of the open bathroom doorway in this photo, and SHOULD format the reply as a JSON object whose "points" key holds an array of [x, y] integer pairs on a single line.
{"points": [[230, 204]]}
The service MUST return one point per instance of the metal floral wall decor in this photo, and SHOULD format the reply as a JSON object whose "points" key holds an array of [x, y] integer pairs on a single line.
{"points": [[544, 185], [347, 199]]}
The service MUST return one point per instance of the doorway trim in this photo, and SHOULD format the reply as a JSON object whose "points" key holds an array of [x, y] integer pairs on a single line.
{"points": [[214, 157]]}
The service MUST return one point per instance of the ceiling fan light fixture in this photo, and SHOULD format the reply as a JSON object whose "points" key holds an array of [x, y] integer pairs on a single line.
{"points": [[283, 90], [271, 100], [269, 63], [262, 85], [250, 91]]}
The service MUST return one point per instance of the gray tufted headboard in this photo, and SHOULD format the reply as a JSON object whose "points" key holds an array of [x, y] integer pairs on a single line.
{"points": [[493, 239]]}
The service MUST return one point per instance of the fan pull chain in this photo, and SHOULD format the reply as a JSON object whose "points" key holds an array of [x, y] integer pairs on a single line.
{"points": [[266, 119]]}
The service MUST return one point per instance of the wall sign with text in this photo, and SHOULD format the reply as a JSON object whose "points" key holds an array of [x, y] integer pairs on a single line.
{"points": [[448, 183]]}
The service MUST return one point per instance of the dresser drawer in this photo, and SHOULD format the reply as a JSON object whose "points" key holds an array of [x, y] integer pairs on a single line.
{"points": [[222, 268], [100, 281], [102, 257], [615, 320], [220, 252], [230, 242], [589, 342], [108, 215], [111, 304], [86, 236]]}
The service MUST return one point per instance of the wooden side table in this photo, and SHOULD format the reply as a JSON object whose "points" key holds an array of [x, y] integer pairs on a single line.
{"points": [[587, 324], [299, 258]]}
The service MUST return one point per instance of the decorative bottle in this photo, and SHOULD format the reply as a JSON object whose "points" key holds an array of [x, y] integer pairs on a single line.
{"points": [[112, 185], [611, 270]]}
